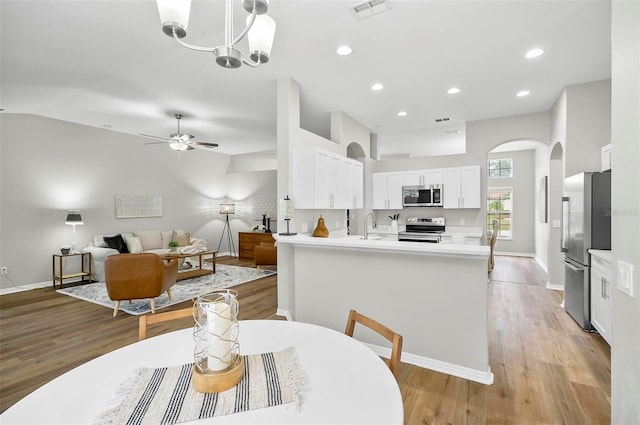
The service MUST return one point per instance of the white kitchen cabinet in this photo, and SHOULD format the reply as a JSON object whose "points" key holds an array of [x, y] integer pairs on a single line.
{"points": [[387, 191], [422, 177], [357, 184], [324, 180], [606, 157], [461, 187], [601, 296]]}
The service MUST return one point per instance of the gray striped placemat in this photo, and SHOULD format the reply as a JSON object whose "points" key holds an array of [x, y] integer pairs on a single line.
{"points": [[165, 395]]}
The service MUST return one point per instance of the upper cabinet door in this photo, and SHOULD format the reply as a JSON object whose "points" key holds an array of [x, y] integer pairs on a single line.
{"points": [[357, 184], [434, 176], [451, 188], [379, 192], [470, 186], [394, 191], [413, 178]]}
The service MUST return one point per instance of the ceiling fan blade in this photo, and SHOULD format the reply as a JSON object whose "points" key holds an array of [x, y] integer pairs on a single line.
{"points": [[205, 144], [156, 143], [152, 137], [190, 148]]}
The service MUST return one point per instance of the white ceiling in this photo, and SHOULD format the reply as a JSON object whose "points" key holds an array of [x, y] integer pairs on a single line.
{"points": [[108, 63]]}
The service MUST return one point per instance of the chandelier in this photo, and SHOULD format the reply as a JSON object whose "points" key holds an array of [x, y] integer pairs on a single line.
{"points": [[260, 29]]}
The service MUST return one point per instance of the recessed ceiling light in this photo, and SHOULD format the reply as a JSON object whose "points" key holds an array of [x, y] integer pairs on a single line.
{"points": [[402, 113], [534, 53], [522, 93], [377, 87], [344, 50], [453, 90]]}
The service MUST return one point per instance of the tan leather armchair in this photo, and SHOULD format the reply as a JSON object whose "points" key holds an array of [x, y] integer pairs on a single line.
{"points": [[138, 276], [265, 254]]}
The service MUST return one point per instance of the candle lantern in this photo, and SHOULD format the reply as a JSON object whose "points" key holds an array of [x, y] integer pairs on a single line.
{"points": [[218, 364]]}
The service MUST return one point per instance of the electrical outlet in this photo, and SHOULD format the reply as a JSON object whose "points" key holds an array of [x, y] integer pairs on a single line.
{"points": [[625, 277], [4, 270]]}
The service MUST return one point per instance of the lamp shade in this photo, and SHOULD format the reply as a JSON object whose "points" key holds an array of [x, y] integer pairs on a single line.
{"points": [[74, 218], [287, 208], [227, 208], [174, 14], [260, 37]]}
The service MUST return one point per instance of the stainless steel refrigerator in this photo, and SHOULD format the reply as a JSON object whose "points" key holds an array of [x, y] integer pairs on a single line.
{"points": [[586, 224]]}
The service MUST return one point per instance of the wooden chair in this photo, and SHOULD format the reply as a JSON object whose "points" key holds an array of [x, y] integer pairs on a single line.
{"points": [[394, 338], [150, 319], [492, 244], [138, 276]]}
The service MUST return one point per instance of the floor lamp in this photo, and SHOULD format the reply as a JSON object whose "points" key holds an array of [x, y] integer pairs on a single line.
{"points": [[227, 209]]}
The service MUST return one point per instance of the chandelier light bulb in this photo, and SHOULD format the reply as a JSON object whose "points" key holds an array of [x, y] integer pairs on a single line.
{"points": [[344, 50], [260, 37]]}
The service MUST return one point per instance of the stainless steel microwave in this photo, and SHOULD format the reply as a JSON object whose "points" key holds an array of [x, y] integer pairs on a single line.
{"points": [[422, 196]]}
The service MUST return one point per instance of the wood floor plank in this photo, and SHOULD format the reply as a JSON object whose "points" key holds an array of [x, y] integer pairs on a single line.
{"points": [[547, 370]]}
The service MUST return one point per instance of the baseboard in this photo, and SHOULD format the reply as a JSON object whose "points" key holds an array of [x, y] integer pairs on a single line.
{"points": [[554, 286], [21, 288], [480, 376], [284, 313], [541, 264]]}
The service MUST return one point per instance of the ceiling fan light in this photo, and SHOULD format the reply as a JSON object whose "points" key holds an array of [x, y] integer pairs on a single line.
{"points": [[260, 37], [174, 14], [178, 146]]}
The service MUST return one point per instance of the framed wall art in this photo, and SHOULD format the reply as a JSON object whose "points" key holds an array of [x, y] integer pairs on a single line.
{"points": [[136, 206]]}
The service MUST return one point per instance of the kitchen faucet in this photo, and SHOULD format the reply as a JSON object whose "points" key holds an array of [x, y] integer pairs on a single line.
{"points": [[373, 225]]}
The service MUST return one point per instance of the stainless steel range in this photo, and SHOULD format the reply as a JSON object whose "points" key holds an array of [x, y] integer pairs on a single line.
{"points": [[423, 230]]}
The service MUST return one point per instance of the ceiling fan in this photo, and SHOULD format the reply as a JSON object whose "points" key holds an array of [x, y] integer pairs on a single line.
{"points": [[179, 141]]}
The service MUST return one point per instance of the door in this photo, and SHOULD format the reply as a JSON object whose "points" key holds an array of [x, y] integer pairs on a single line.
{"points": [[451, 188], [577, 293], [379, 198], [394, 191], [574, 215]]}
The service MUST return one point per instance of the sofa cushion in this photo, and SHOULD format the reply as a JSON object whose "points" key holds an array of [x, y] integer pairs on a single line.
{"points": [[150, 239], [133, 244], [116, 242], [183, 238]]}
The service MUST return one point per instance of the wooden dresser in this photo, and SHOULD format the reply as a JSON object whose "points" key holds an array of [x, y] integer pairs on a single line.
{"points": [[248, 240]]}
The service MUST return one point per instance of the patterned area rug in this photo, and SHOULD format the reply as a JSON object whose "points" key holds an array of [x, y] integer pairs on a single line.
{"points": [[225, 277]]}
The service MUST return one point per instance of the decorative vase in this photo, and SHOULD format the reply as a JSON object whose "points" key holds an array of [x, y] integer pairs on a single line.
{"points": [[321, 230], [65, 251], [394, 226]]}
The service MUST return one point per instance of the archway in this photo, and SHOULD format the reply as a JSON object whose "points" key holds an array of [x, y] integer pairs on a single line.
{"points": [[525, 232]]}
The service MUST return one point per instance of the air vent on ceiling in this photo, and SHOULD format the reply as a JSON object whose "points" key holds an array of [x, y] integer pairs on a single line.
{"points": [[452, 132], [445, 119], [366, 8]]}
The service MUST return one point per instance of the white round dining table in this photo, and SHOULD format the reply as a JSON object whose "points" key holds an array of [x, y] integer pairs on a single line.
{"points": [[347, 382]]}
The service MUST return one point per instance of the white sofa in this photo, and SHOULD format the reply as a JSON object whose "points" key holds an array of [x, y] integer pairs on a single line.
{"points": [[151, 241]]}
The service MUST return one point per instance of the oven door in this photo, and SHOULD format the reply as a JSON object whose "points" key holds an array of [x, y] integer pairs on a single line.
{"points": [[418, 237]]}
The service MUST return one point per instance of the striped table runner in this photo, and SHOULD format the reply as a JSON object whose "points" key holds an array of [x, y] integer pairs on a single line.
{"points": [[165, 395]]}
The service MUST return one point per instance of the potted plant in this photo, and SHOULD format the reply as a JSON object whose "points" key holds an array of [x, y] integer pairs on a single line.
{"points": [[173, 245], [65, 249]]}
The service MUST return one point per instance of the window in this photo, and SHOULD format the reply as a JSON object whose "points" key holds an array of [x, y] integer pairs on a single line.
{"points": [[499, 210], [500, 168]]}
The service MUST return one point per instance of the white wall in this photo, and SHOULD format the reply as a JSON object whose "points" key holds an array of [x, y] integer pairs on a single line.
{"points": [[588, 125], [625, 202], [51, 166], [524, 214]]}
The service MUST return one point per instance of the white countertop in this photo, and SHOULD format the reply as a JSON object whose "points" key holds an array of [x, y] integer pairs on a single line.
{"points": [[357, 242], [605, 254]]}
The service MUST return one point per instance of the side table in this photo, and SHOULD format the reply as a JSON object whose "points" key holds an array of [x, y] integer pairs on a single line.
{"points": [[57, 273]]}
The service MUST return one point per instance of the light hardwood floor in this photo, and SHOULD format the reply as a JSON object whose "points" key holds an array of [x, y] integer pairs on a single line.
{"points": [[547, 370]]}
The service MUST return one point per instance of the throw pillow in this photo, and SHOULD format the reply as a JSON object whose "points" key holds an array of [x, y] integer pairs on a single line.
{"points": [[116, 242], [98, 241], [183, 239], [133, 244], [165, 237]]}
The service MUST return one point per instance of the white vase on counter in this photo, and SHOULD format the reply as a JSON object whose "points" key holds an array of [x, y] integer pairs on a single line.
{"points": [[394, 226]]}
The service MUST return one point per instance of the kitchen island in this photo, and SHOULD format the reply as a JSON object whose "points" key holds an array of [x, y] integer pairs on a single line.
{"points": [[435, 295]]}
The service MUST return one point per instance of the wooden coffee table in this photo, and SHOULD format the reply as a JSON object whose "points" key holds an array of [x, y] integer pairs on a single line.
{"points": [[198, 271]]}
